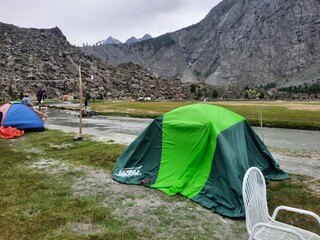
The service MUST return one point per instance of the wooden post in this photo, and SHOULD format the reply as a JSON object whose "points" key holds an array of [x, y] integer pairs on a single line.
{"points": [[80, 96], [79, 136]]}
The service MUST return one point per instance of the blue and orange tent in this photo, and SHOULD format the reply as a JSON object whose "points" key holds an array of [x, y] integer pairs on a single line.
{"points": [[19, 116]]}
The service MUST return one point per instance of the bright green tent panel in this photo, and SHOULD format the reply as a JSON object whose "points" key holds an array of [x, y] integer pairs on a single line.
{"points": [[201, 151], [188, 142]]}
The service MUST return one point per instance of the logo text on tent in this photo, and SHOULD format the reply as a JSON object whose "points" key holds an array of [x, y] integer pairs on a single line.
{"points": [[129, 172]]}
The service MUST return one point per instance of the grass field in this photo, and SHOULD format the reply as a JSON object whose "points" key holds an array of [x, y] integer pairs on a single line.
{"points": [[297, 115], [55, 188]]}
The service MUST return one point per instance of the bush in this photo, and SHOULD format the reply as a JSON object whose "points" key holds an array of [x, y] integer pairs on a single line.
{"points": [[193, 88], [214, 93]]}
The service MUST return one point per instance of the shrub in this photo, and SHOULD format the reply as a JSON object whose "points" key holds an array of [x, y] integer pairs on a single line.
{"points": [[214, 93]]}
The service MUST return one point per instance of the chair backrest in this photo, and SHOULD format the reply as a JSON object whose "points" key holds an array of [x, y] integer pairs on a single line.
{"points": [[254, 198]]}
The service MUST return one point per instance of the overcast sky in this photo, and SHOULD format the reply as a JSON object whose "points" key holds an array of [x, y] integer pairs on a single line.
{"points": [[89, 21]]}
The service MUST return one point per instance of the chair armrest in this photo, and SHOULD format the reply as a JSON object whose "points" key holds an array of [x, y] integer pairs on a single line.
{"points": [[282, 229], [296, 210]]}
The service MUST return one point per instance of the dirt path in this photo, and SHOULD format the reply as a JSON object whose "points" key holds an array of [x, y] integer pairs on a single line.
{"points": [[146, 209]]}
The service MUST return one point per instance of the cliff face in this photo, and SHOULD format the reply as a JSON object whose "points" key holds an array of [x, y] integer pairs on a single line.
{"points": [[32, 58], [240, 41]]}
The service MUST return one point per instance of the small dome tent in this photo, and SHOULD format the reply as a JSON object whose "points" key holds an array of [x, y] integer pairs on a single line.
{"points": [[201, 151], [19, 116]]}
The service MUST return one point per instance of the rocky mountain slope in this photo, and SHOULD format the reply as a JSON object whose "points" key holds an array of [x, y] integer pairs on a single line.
{"points": [[32, 58], [249, 42]]}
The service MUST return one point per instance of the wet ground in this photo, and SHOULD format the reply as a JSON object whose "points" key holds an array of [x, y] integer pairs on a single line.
{"points": [[118, 129], [125, 129]]}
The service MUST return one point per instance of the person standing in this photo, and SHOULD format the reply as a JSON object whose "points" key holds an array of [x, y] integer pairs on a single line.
{"points": [[42, 94], [39, 95], [85, 104]]}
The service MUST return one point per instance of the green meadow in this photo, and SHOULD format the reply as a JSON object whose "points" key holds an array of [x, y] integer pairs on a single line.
{"points": [[43, 176], [296, 115], [53, 187]]}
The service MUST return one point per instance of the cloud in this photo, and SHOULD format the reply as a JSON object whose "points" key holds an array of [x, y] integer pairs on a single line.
{"points": [[84, 21]]}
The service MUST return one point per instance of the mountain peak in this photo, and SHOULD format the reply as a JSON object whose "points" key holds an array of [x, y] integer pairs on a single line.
{"points": [[109, 40], [135, 40], [113, 41], [146, 37], [132, 40]]}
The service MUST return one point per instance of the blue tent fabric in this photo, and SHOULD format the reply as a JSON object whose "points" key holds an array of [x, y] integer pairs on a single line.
{"points": [[22, 117]]}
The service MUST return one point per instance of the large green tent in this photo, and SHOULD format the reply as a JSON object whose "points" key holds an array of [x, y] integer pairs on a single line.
{"points": [[201, 151]]}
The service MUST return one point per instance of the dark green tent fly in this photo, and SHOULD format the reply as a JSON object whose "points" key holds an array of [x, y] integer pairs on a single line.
{"points": [[201, 151]]}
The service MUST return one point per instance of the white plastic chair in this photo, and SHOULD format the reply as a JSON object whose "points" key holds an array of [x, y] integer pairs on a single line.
{"points": [[259, 224]]}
